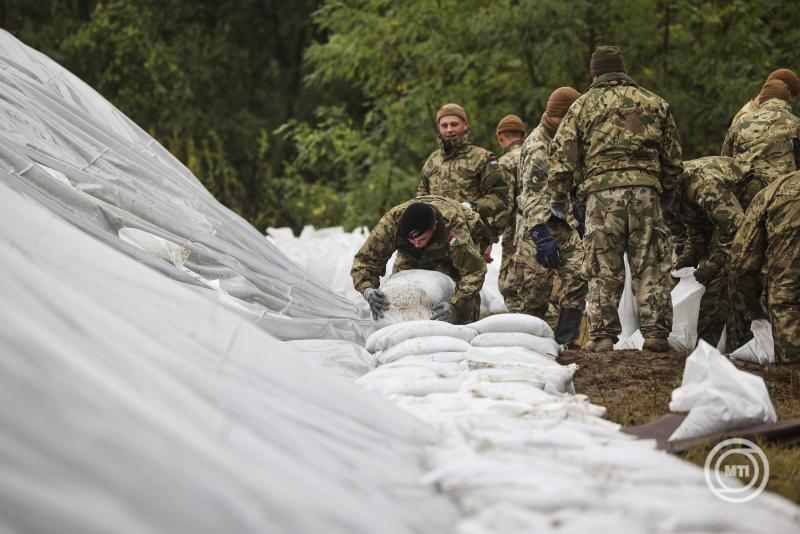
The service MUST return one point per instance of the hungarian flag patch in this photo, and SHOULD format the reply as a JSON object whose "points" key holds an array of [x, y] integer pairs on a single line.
{"points": [[452, 240]]}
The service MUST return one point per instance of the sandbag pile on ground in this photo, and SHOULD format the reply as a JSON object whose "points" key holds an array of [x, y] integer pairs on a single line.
{"points": [[518, 452], [718, 396]]}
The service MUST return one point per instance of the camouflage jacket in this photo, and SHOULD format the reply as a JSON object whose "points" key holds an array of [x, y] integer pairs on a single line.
{"points": [[769, 235], [468, 173], [708, 208], [452, 249], [509, 163], [747, 110], [616, 134], [766, 143], [534, 197]]}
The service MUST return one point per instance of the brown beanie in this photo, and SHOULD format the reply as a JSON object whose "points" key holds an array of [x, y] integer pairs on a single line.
{"points": [[606, 59], [510, 123], [789, 78], [451, 109], [774, 89], [560, 100]]}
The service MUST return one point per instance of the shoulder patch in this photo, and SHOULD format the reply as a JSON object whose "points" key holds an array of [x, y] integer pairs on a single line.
{"points": [[452, 240], [493, 160], [699, 200]]}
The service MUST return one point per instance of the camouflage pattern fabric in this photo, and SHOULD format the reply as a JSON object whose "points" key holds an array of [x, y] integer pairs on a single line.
{"points": [[616, 134], [467, 173], [747, 110], [509, 162], [765, 147], [451, 250], [536, 281], [711, 213], [769, 236], [619, 220]]}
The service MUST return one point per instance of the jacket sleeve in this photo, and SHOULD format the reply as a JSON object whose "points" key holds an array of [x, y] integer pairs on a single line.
{"points": [[468, 261], [748, 251], [424, 187], [670, 154], [492, 205], [564, 160], [727, 144], [725, 212], [369, 263]]}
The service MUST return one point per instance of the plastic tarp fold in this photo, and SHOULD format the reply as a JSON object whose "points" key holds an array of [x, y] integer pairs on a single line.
{"points": [[68, 149]]}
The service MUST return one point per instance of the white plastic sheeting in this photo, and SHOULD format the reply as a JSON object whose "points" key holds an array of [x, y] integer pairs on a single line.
{"points": [[132, 404], [65, 147], [517, 452]]}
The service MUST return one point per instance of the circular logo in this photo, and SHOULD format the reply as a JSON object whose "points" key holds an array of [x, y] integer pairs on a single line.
{"points": [[736, 470]]}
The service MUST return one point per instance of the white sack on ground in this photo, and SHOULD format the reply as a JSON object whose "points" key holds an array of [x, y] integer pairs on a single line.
{"points": [[413, 293], [492, 300], [132, 404], [66, 148], [513, 322], [718, 396], [542, 345], [760, 349], [686, 298], [422, 345], [391, 335]]}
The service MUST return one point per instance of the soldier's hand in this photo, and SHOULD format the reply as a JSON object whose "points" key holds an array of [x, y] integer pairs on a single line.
{"points": [[547, 251], [704, 275], [487, 254], [378, 302], [443, 312], [558, 207]]}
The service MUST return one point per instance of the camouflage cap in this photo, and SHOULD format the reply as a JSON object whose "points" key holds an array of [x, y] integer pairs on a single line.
{"points": [[560, 100], [788, 77], [774, 89], [510, 123], [606, 59], [451, 109], [417, 218]]}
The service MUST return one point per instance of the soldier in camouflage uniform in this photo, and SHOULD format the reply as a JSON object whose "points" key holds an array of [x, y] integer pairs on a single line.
{"points": [[766, 143], [786, 76], [617, 149], [535, 279], [769, 236], [510, 134], [465, 172], [432, 233], [707, 206]]}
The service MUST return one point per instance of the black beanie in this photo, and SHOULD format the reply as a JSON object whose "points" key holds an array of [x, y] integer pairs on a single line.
{"points": [[606, 59], [416, 219]]}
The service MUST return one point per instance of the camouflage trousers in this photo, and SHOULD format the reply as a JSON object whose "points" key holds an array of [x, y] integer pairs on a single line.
{"points": [[535, 282], [620, 220], [508, 281]]}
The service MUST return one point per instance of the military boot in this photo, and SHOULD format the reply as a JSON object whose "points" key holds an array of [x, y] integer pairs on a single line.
{"points": [[569, 323], [604, 344], [656, 344]]}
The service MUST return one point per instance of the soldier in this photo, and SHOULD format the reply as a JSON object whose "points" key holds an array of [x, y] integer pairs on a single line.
{"points": [[617, 148], [765, 143], [510, 134], [769, 236], [465, 172], [786, 76], [432, 233], [555, 247], [711, 214]]}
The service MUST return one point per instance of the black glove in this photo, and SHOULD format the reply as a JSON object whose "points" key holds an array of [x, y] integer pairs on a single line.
{"points": [[684, 261], [579, 212], [378, 303], [443, 312], [704, 275], [559, 207], [547, 252], [666, 201]]}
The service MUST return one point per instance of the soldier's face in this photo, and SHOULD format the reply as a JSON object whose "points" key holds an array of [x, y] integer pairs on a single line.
{"points": [[423, 239], [452, 127]]}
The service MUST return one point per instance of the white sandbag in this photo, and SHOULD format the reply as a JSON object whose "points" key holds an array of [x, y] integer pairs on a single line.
{"points": [[718, 396], [760, 349], [412, 293], [344, 358], [628, 307], [445, 366], [492, 356], [685, 309], [634, 342], [391, 335], [492, 300], [408, 380], [542, 345], [422, 345], [513, 322]]}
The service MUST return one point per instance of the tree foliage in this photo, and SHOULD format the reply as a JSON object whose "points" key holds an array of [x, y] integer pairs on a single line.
{"points": [[322, 111]]}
